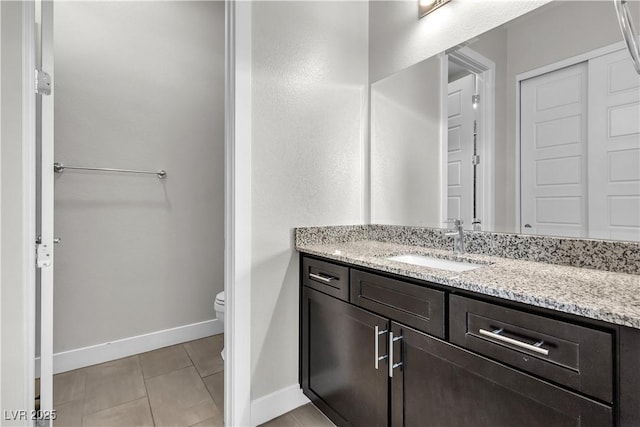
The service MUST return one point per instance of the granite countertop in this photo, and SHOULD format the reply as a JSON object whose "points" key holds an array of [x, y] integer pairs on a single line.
{"points": [[603, 295]]}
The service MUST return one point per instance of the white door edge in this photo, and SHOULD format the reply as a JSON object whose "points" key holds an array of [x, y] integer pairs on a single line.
{"points": [[28, 196], [46, 214], [237, 262], [444, 137]]}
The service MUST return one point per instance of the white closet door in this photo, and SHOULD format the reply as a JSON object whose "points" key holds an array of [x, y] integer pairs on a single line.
{"points": [[614, 148], [553, 129], [460, 150]]}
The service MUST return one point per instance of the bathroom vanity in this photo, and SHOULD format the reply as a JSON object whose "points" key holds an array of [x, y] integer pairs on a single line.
{"points": [[511, 342]]}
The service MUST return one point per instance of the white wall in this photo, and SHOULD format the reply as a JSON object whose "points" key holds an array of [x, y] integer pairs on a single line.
{"points": [[405, 148], [564, 30], [309, 109], [139, 85], [16, 365]]}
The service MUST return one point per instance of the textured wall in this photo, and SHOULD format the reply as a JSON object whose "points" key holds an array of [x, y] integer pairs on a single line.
{"points": [[139, 85], [309, 112]]}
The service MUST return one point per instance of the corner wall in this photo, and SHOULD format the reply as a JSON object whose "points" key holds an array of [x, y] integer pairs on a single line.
{"points": [[309, 125]]}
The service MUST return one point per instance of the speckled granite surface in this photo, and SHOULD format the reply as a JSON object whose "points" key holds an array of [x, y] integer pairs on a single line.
{"points": [[617, 256], [603, 295]]}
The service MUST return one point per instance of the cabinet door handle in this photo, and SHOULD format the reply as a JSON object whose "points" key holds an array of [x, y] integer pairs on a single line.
{"points": [[376, 344], [325, 279], [392, 365], [536, 348]]}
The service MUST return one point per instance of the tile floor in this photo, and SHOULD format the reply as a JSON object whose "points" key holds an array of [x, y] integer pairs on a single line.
{"points": [[181, 385], [304, 416]]}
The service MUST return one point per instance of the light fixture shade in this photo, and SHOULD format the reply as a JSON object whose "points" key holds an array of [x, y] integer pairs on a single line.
{"points": [[428, 6]]}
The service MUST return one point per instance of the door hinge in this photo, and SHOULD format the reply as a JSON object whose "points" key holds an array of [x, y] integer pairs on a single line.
{"points": [[43, 83], [43, 255], [475, 159], [475, 100]]}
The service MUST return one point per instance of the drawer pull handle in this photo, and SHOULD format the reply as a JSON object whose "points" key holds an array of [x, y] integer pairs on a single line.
{"points": [[325, 279], [392, 365], [536, 348], [378, 358]]}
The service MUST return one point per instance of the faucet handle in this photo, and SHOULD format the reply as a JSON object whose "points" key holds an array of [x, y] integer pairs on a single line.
{"points": [[455, 221]]}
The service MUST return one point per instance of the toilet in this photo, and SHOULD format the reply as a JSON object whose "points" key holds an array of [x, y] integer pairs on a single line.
{"points": [[218, 305]]}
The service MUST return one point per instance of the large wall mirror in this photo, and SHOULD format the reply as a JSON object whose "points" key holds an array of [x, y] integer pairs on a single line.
{"points": [[532, 127]]}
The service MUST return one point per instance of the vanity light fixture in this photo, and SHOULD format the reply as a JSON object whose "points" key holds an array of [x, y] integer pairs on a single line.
{"points": [[427, 6]]}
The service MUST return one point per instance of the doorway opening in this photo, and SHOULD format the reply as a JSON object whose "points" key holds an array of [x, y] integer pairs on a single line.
{"points": [[467, 140], [137, 87]]}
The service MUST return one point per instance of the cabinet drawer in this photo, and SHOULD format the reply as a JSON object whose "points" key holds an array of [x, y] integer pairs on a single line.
{"points": [[326, 277], [413, 305], [574, 356]]}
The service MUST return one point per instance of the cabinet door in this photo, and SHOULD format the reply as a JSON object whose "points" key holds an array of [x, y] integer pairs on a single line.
{"points": [[439, 384], [338, 360]]}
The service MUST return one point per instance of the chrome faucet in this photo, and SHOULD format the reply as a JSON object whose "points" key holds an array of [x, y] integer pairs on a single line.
{"points": [[458, 236]]}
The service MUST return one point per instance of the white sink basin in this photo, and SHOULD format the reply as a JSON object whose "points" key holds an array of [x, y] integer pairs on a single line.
{"points": [[432, 262]]}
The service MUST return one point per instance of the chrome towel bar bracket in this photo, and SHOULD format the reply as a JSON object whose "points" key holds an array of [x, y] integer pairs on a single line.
{"points": [[59, 168]]}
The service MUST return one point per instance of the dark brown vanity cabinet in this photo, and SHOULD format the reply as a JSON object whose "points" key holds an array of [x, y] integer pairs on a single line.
{"points": [[440, 384], [339, 372], [399, 353]]}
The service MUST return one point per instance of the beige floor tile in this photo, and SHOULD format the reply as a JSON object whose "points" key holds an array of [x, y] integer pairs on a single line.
{"points": [[205, 354], [69, 414], [136, 413], [113, 383], [164, 360], [309, 415], [180, 398], [216, 421], [286, 420], [215, 385], [69, 386]]}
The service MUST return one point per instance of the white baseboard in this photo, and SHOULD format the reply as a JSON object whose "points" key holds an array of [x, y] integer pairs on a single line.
{"points": [[277, 403], [105, 352]]}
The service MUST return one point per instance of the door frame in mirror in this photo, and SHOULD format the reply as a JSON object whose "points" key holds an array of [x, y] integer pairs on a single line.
{"points": [[484, 69]]}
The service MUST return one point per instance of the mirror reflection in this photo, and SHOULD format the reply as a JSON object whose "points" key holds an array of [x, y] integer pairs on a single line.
{"points": [[533, 127]]}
